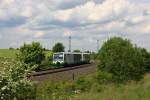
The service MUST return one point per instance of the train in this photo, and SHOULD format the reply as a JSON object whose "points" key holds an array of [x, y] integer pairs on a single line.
{"points": [[71, 58]]}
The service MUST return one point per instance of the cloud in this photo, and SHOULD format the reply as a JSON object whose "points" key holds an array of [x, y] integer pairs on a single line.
{"points": [[49, 21], [83, 15], [92, 12], [67, 32], [13, 22], [0, 36], [39, 34]]}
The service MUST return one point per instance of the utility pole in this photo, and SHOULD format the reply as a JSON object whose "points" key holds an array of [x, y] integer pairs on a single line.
{"points": [[69, 44], [97, 45]]}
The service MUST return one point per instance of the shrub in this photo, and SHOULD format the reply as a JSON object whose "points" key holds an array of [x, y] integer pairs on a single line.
{"points": [[83, 84], [93, 56], [60, 90], [120, 58], [103, 77], [14, 84], [64, 86], [146, 57], [32, 54]]}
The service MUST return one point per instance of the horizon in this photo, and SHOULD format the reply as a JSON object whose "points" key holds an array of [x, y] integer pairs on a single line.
{"points": [[86, 21]]}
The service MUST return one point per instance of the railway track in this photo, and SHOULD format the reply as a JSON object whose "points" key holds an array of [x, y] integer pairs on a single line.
{"points": [[57, 70], [68, 73]]}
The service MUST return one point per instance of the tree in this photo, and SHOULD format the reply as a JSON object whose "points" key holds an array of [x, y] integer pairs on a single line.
{"points": [[120, 58], [11, 48], [32, 54], [87, 51], [14, 84], [93, 56], [58, 47], [76, 50], [146, 57]]}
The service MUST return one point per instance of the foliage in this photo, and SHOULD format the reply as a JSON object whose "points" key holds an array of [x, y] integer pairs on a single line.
{"points": [[3, 59], [83, 84], [77, 50], [55, 90], [146, 57], [103, 77], [11, 48], [6, 54], [14, 84], [64, 90], [49, 55], [89, 88], [130, 91], [58, 47], [120, 58], [46, 64], [87, 51], [31, 54], [93, 56]]}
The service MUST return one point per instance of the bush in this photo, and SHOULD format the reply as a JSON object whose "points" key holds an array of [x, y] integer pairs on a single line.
{"points": [[120, 58], [146, 58], [59, 91], [93, 56], [83, 84], [32, 54], [64, 86], [103, 77], [14, 84]]}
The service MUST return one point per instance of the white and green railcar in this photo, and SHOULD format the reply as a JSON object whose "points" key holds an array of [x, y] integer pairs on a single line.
{"points": [[70, 57]]}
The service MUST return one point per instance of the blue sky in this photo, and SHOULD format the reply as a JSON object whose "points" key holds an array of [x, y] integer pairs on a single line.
{"points": [[51, 21]]}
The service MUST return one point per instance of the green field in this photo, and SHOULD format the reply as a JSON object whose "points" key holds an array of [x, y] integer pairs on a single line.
{"points": [[12, 53], [8, 53]]}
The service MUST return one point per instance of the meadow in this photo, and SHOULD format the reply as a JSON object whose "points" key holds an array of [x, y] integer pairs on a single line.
{"points": [[129, 91], [12, 53], [91, 90], [8, 53]]}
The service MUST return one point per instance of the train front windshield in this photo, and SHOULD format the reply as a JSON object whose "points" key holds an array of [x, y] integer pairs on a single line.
{"points": [[58, 57]]}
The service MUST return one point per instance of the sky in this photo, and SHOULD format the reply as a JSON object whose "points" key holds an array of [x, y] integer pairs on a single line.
{"points": [[86, 21]]}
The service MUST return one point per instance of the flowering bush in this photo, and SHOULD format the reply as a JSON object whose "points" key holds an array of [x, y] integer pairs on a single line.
{"points": [[32, 54], [14, 84]]}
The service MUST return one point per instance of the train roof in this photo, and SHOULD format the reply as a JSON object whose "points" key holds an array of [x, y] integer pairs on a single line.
{"points": [[71, 53]]}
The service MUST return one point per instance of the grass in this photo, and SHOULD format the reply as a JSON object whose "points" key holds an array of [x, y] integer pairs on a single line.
{"points": [[8, 53], [110, 91], [12, 53], [130, 91]]}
